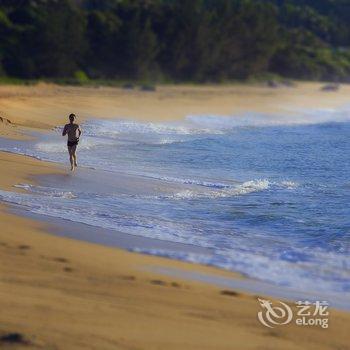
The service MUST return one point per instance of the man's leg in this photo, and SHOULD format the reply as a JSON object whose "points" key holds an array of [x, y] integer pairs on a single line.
{"points": [[74, 153], [71, 159]]}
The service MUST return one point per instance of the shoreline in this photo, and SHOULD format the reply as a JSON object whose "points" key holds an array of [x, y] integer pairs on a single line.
{"points": [[136, 244], [215, 276], [73, 262], [45, 106], [69, 285]]}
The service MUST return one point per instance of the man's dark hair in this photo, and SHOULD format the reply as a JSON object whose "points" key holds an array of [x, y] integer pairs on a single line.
{"points": [[72, 116]]}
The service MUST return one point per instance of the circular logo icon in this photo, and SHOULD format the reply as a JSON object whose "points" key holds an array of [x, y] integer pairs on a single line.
{"points": [[271, 315]]}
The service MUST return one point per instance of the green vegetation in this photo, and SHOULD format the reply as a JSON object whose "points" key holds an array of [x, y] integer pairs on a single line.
{"points": [[174, 40]]}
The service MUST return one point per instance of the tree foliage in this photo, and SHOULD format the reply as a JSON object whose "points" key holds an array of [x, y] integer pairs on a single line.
{"points": [[180, 40]]}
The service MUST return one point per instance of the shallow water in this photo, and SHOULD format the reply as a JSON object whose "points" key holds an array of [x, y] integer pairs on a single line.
{"points": [[267, 196]]}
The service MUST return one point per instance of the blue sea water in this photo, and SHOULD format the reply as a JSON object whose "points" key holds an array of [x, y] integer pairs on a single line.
{"points": [[267, 196]]}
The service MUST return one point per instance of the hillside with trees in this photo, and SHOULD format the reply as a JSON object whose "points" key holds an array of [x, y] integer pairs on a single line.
{"points": [[175, 40]]}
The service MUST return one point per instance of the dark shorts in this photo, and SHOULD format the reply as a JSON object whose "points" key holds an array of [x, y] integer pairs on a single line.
{"points": [[72, 143]]}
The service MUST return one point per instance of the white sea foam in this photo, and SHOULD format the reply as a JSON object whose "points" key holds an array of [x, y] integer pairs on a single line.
{"points": [[118, 128], [167, 141], [46, 191], [243, 189], [289, 184], [217, 190], [86, 143], [297, 116], [188, 181], [225, 122], [26, 187], [220, 190], [250, 186]]}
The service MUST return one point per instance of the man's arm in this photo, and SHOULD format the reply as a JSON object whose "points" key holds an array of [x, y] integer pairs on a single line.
{"points": [[79, 130], [64, 132]]}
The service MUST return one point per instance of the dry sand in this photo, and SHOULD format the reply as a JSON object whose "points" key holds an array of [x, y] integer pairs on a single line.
{"points": [[59, 293], [44, 106]]}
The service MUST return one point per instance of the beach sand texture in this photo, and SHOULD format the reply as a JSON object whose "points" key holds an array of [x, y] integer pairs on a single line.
{"points": [[60, 293], [44, 106]]}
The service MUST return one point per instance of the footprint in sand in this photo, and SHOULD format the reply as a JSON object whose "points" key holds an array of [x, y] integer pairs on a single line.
{"points": [[273, 333], [163, 283], [61, 260], [68, 269], [14, 338], [24, 247], [230, 293], [158, 282], [128, 278]]}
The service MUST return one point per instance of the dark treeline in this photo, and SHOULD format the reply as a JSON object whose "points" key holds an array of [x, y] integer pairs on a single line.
{"points": [[177, 40]]}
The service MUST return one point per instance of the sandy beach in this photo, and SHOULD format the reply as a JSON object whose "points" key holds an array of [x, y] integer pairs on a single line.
{"points": [[60, 293], [45, 106]]}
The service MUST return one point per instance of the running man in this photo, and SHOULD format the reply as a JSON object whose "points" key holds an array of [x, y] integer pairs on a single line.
{"points": [[73, 131]]}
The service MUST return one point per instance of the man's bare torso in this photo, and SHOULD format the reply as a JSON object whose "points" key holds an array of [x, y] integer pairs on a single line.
{"points": [[72, 130]]}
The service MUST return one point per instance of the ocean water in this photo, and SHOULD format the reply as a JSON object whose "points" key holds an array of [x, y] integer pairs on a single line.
{"points": [[267, 196]]}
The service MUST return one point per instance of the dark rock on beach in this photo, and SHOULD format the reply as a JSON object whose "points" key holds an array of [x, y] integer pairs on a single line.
{"points": [[330, 87]]}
